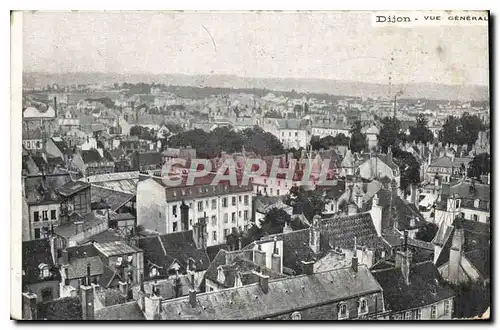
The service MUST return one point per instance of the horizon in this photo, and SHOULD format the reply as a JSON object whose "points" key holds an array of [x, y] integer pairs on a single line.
{"points": [[248, 77]]}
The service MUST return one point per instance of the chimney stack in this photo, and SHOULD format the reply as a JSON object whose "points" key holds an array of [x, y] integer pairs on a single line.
{"points": [[376, 214], [263, 281], [307, 267], [184, 217], [259, 256], [455, 255], [314, 234], [192, 297], [30, 311], [87, 300], [276, 258], [124, 289], [354, 264]]}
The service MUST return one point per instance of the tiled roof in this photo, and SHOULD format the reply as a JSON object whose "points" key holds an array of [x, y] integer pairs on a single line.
{"points": [[109, 277], [114, 199], [91, 156], [214, 249], [296, 249], [77, 268], [162, 250], [34, 254], [341, 231], [103, 237], [43, 189], [467, 190], [202, 188], [240, 263], [480, 259], [116, 248], [285, 295], [61, 145], [68, 229], [72, 187], [129, 311], [426, 287], [62, 309]]}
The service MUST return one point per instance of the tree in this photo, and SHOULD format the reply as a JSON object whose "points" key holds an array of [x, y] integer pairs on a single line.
{"points": [[480, 165], [358, 139], [409, 167], [273, 114], [389, 133], [308, 202], [463, 130], [329, 141], [275, 221], [143, 133], [421, 133]]}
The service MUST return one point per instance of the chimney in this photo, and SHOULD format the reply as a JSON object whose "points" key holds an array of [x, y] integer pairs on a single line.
{"points": [[259, 256], [307, 267], [263, 281], [55, 106], [354, 264], [314, 234], [30, 311], [152, 307], [200, 233], [376, 214], [276, 258], [177, 287], [78, 227], [192, 297], [184, 217], [352, 209], [87, 300], [124, 289], [455, 255], [403, 259], [141, 293], [413, 194], [53, 248], [287, 228]]}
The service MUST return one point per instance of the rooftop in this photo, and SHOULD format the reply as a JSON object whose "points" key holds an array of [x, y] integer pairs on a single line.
{"points": [[284, 295], [116, 248]]}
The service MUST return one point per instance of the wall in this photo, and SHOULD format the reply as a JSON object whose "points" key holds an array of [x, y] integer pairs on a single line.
{"points": [[37, 288], [151, 206], [39, 224], [94, 230], [330, 311], [426, 311]]}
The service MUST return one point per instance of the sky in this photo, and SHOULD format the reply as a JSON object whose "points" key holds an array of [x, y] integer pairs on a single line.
{"points": [[328, 45]]}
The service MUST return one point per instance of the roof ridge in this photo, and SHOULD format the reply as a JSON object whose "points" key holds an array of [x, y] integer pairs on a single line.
{"points": [[162, 246]]}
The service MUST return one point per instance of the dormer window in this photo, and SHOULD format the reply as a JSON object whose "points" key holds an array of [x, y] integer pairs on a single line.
{"points": [[129, 259], [457, 203], [363, 307], [44, 270], [343, 312], [153, 272], [119, 261], [296, 316], [476, 203]]}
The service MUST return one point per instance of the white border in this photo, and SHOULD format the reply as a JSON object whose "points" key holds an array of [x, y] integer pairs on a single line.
{"points": [[11, 203]]}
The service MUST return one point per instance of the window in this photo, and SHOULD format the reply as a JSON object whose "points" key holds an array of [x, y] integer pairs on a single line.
{"points": [[52, 214], [408, 315], [226, 232], [206, 204], [153, 272], [45, 215], [416, 314], [446, 307], [457, 203], [233, 217], [433, 311], [476, 203], [224, 202], [246, 199], [214, 204], [214, 236], [343, 311], [296, 316], [239, 214], [37, 233], [363, 307], [200, 206], [174, 210], [214, 220], [296, 133], [36, 216], [45, 272], [233, 201], [475, 217], [119, 261], [277, 192], [245, 215], [174, 226], [270, 191], [239, 199], [226, 218]]}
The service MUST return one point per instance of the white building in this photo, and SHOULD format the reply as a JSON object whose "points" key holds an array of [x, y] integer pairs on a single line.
{"points": [[223, 206]]}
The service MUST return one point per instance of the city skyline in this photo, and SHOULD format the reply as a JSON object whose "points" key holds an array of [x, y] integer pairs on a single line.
{"points": [[254, 45]]}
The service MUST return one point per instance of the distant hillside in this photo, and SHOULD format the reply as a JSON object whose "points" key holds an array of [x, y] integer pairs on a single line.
{"points": [[333, 87]]}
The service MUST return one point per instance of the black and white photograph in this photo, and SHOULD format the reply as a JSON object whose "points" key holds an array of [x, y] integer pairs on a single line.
{"points": [[251, 165]]}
